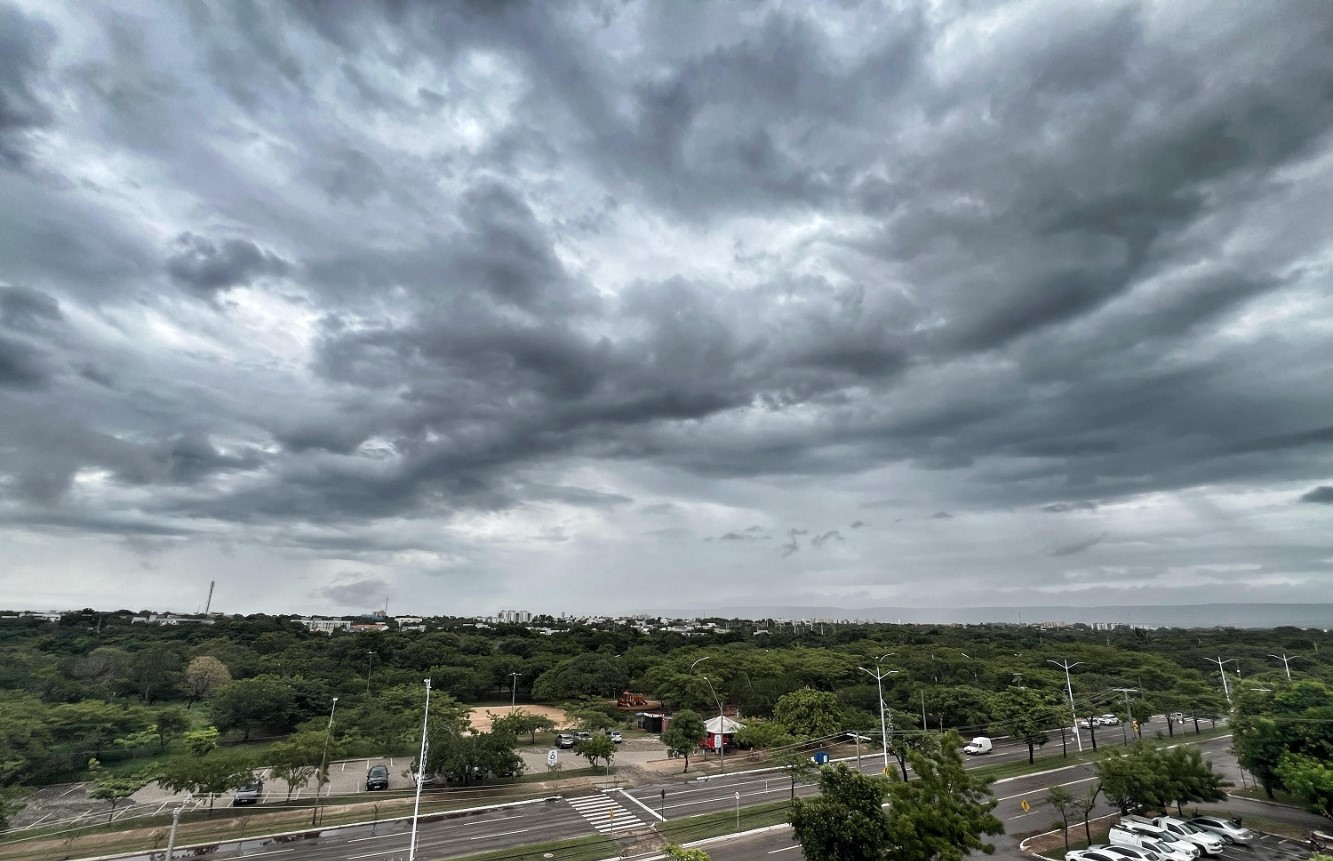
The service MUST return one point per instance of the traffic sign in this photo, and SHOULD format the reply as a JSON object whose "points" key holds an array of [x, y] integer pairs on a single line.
{"points": [[1024, 804], [551, 756]]}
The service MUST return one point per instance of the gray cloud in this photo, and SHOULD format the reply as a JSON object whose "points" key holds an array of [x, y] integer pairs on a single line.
{"points": [[500, 277], [1069, 548], [199, 264], [358, 591], [1321, 495]]}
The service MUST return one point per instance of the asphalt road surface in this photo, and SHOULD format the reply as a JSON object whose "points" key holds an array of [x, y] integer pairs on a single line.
{"points": [[617, 811]]}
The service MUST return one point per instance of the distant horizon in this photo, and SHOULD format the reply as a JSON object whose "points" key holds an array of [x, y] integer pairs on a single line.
{"points": [[1225, 615]]}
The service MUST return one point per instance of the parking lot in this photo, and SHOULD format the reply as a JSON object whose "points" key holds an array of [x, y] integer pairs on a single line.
{"points": [[1268, 847]]}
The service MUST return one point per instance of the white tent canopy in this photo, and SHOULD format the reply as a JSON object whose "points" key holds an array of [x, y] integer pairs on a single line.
{"points": [[721, 724]]}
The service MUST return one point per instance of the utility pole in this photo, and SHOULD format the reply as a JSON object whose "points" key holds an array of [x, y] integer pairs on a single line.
{"points": [[884, 724], [1128, 711], [721, 719], [923, 710], [370, 662], [1069, 686], [420, 775], [1286, 662], [1221, 668]]}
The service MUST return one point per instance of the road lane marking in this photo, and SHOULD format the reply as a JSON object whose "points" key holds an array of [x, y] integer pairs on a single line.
{"points": [[1022, 794], [501, 834], [651, 812], [784, 849]]}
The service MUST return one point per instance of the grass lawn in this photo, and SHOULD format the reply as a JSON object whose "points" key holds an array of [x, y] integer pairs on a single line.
{"points": [[693, 828]]}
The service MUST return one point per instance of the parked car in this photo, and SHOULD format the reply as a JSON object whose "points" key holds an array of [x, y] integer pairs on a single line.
{"points": [[616, 736], [377, 778], [1087, 723], [1093, 854], [582, 735], [1224, 828], [1176, 717], [248, 793], [1133, 853], [1119, 835], [566, 739], [427, 780], [1179, 840], [1179, 828], [1108, 720]]}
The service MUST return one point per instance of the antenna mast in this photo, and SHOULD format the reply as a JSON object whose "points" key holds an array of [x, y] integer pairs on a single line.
{"points": [[209, 604]]}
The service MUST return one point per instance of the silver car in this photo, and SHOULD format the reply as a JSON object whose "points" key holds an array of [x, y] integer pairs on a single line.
{"points": [[1224, 828]]}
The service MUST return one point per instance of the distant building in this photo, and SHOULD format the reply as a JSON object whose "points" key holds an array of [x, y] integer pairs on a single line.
{"points": [[326, 626], [170, 619]]}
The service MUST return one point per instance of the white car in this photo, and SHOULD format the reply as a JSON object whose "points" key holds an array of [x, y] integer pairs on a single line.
{"points": [[1224, 828], [616, 736], [1120, 835], [1108, 720], [1133, 853], [1093, 854], [1180, 829]]}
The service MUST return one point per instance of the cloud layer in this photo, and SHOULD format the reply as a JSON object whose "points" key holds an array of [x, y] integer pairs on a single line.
{"points": [[518, 304]]}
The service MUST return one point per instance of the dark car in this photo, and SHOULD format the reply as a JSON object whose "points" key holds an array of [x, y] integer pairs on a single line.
{"points": [[248, 793], [377, 778]]}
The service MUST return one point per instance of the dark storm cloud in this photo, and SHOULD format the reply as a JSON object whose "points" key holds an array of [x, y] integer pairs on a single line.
{"points": [[1020, 258], [25, 47], [1322, 495], [26, 308], [199, 264], [1069, 548], [358, 591]]}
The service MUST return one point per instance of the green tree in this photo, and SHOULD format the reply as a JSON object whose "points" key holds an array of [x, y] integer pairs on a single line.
{"points": [[683, 734], [209, 774], [1131, 778], [680, 853], [845, 822], [1026, 713], [154, 670], [113, 788], [1066, 805], [943, 814], [764, 734], [205, 676], [297, 758], [171, 723], [595, 748], [590, 674], [1310, 780], [1186, 777], [808, 713], [201, 741], [1296, 719], [523, 722], [251, 704], [800, 767]]}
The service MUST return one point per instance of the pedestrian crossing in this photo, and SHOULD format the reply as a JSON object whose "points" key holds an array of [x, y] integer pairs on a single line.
{"points": [[604, 814]]}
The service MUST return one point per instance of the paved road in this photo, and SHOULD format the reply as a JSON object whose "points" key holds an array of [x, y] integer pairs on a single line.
{"points": [[615, 811]]}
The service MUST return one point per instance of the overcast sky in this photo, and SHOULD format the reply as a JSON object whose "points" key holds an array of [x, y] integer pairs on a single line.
{"points": [[613, 306]]}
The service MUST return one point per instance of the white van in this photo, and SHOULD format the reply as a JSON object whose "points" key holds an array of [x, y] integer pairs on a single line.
{"points": [[1121, 836], [978, 745]]}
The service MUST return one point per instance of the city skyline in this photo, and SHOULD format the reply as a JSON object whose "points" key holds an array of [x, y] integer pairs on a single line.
{"points": [[616, 306]]}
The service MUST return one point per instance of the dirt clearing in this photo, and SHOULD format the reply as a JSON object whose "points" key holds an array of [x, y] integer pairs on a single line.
{"points": [[481, 721]]}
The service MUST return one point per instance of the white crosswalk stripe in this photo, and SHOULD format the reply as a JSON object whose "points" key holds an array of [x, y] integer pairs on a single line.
{"points": [[605, 814]]}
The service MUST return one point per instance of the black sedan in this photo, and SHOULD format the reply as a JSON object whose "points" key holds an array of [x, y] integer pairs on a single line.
{"points": [[377, 778]]}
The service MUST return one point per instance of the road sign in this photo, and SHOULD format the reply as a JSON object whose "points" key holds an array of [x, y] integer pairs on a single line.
{"points": [[885, 771], [1024, 804], [551, 756], [821, 757]]}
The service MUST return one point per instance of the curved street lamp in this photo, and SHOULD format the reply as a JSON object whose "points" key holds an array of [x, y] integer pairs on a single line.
{"points": [[721, 718]]}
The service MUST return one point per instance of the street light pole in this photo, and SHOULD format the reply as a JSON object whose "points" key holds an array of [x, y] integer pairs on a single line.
{"points": [[513, 690], [1286, 662], [1069, 687], [420, 775], [171, 838], [721, 719], [1221, 668], [370, 662], [878, 676], [323, 759]]}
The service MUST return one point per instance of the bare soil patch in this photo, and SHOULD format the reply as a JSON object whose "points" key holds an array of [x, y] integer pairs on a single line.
{"points": [[480, 718]]}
